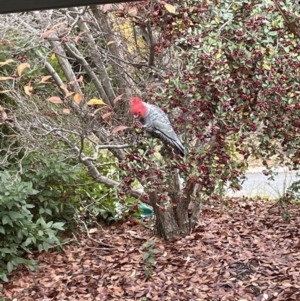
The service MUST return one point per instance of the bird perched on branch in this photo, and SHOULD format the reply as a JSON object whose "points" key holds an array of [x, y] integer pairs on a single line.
{"points": [[155, 122]]}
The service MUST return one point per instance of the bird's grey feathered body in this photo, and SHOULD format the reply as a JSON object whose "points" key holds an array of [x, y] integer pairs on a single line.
{"points": [[157, 123]]}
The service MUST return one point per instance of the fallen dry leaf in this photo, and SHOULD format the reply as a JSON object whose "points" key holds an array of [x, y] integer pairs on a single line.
{"points": [[55, 99], [236, 252], [119, 128], [22, 67]]}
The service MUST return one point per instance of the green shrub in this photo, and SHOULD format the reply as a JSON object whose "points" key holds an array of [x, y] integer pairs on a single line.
{"points": [[35, 202], [55, 178], [19, 231], [103, 203], [42, 195]]}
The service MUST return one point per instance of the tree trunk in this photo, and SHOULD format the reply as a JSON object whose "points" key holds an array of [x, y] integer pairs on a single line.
{"points": [[166, 225], [177, 219]]}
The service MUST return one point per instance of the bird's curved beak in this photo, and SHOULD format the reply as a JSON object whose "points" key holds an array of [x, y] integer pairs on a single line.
{"points": [[135, 116]]}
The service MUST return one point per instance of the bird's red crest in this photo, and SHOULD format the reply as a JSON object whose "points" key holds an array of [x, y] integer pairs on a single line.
{"points": [[137, 107]]}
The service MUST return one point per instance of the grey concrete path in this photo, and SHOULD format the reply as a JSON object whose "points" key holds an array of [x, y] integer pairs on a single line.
{"points": [[257, 184]]}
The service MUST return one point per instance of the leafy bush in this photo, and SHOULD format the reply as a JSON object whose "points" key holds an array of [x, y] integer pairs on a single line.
{"points": [[97, 201], [55, 178], [19, 229], [40, 196], [34, 205]]}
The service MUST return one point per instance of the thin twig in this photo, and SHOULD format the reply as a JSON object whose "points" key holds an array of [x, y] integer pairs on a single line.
{"points": [[97, 241]]}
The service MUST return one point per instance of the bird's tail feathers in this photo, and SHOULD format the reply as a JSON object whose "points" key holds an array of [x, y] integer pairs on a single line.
{"points": [[179, 147]]}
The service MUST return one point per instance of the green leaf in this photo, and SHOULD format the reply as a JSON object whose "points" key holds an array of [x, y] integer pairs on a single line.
{"points": [[48, 211], [10, 267], [27, 242], [3, 276], [42, 222], [15, 215], [18, 260], [151, 260], [6, 220], [46, 246], [58, 226], [49, 224], [5, 250], [146, 255]]}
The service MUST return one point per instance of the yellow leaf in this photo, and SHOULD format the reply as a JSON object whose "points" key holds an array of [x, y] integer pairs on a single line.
{"points": [[218, 20], [77, 39], [21, 68], [69, 94], [28, 90], [157, 155], [44, 79], [6, 62], [64, 87], [118, 98], [95, 101], [93, 230], [105, 115], [99, 109], [218, 55], [55, 99], [46, 33], [119, 128], [66, 111], [4, 115], [170, 8], [78, 98], [6, 77], [266, 66], [80, 79], [235, 7], [132, 11], [110, 42], [53, 57], [58, 24]]}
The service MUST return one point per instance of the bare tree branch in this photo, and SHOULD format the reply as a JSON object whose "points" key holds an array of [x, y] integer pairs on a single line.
{"points": [[92, 46], [107, 28], [76, 54], [151, 45]]}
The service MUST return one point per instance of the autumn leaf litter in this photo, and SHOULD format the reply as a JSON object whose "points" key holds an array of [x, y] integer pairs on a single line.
{"points": [[238, 251]]}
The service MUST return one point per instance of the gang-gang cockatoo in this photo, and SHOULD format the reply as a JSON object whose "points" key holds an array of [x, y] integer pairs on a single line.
{"points": [[155, 122]]}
